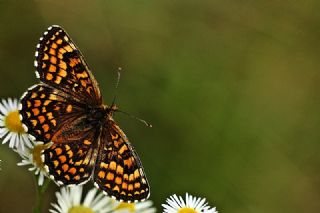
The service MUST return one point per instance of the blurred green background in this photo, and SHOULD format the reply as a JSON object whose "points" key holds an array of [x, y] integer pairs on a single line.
{"points": [[231, 88]]}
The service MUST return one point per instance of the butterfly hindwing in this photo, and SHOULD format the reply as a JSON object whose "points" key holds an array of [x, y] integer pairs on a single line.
{"points": [[118, 170], [72, 163], [60, 64]]}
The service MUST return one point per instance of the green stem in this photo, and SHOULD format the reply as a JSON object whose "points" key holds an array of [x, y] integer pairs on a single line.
{"points": [[40, 190]]}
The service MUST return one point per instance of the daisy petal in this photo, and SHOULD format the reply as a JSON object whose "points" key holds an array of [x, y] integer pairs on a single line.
{"points": [[196, 205]]}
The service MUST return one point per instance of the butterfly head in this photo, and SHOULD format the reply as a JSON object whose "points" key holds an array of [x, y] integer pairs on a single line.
{"points": [[110, 109], [114, 108]]}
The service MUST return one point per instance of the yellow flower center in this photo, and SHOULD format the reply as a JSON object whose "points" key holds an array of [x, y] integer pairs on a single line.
{"points": [[187, 210], [36, 154], [80, 209], [129, 206], [13, 123]]}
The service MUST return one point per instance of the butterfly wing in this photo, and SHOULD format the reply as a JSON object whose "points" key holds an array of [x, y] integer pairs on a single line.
{"points": [[51, 115], [51, 110], [118, 171], [60, 64], [72, 163]]}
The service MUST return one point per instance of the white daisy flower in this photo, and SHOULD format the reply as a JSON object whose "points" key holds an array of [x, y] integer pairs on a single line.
{"points": [[69, 201], [11, 129], [32, 157], [140, 207], [191, 204]]}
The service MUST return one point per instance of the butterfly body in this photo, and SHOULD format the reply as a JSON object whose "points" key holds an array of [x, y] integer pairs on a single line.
{"points": [[66, 109], [97, 116]]}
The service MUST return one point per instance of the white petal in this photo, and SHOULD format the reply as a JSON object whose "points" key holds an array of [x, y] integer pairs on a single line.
{"points": [[169, 208], [6, 139], [16, 103], [41, 179], [32, 169], [3, 132], [201, 203], [77, 197], [26, 141], [88, 200], [6, 105], [174, 202], [13, 140], [10, 103], [62, 201], [182, 203], [3, 110]]}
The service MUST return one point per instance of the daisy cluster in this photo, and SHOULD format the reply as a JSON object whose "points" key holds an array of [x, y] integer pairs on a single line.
{"points": [[69, 199], [72, 199]]}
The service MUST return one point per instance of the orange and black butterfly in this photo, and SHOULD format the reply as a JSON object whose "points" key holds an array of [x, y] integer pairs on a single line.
{"points": [[66, 108]]}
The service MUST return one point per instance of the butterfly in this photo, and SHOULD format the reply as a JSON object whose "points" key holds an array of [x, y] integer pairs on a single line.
{"points": [[66, 109]]}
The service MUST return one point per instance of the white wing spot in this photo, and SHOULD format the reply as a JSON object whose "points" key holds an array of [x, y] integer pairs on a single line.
{"points": [[37, 74], [143, 181]]}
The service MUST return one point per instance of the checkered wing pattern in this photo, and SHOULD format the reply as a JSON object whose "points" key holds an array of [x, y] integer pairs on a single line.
{"points": [[60, 64], [118, 170], [72, 163], [47, 114]]}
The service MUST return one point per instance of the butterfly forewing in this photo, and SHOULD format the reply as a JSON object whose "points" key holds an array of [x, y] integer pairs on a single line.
{"points": [[59, 63], [45, 110], [118, 170]]}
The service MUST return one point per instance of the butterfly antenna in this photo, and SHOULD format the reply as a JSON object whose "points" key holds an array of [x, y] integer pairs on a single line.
{"points": [[116, 89], [114, 101], [134, 117]]}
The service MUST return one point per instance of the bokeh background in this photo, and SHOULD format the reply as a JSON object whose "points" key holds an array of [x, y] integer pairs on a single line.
{"points": [[231, 88]]}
